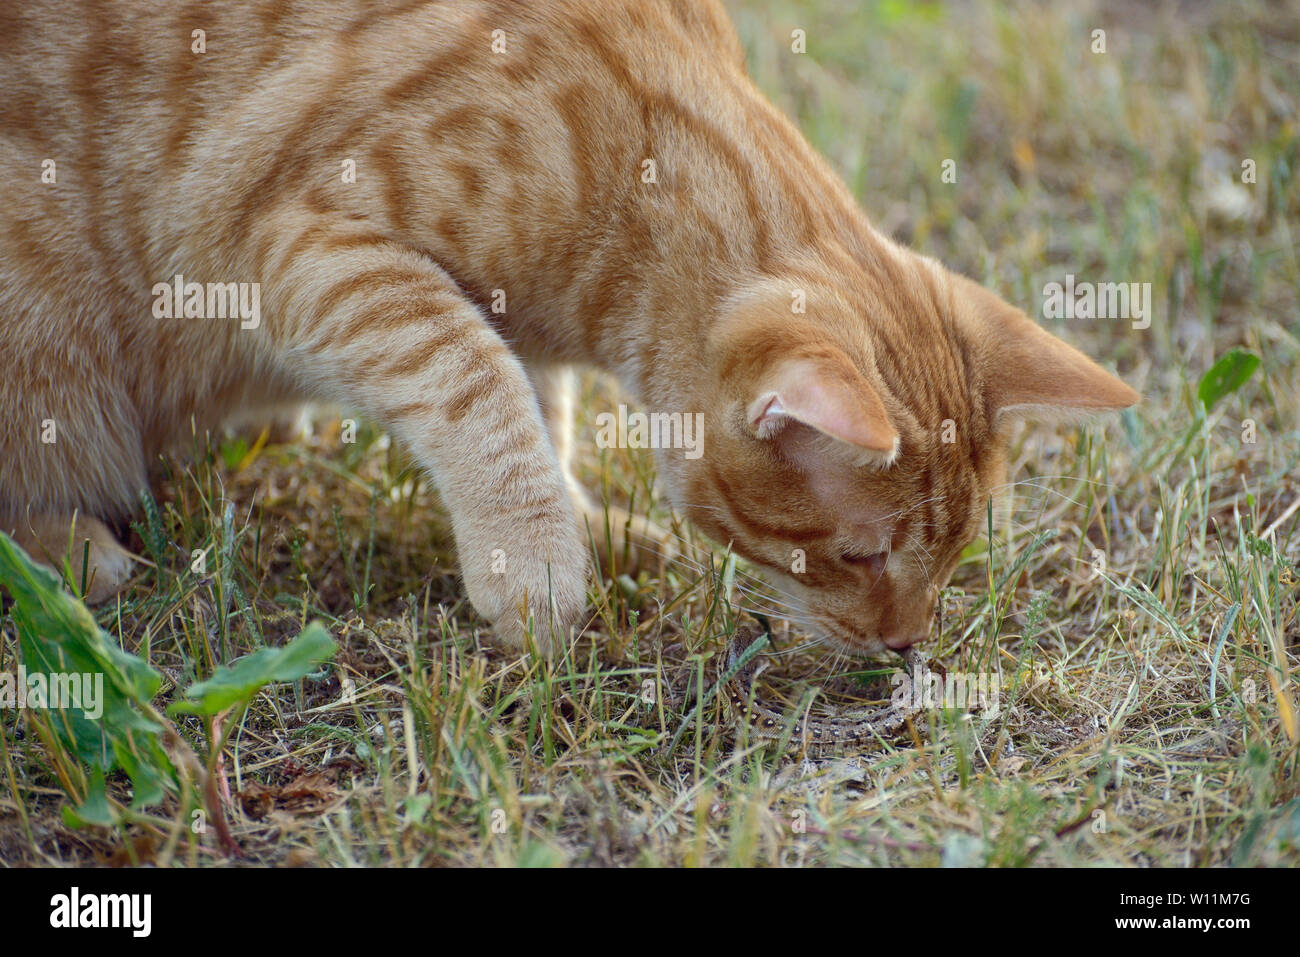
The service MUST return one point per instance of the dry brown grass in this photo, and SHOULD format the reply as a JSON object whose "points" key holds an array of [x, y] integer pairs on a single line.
{"points": [[1143, 721]]}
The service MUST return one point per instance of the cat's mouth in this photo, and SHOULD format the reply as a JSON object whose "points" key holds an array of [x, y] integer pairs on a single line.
{"points": [[837, 636], [856, 645]]}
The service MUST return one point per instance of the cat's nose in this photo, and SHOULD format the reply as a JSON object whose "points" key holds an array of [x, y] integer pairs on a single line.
{"points": [[901, 640]]}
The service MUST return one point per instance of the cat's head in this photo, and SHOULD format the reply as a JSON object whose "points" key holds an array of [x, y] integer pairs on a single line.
{"points": [[851, 447]]}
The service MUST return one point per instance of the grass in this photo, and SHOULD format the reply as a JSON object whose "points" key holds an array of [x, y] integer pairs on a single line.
{"points": [[1140, 607]]}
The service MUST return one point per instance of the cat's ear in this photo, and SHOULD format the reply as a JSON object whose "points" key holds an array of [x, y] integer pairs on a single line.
{"points": [[797, 388], [1027, 371], [828, 395]]}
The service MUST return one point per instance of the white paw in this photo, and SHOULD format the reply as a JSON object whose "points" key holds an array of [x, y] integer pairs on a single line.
{"points": [[105, 567], [528, 578], [110, 570]]}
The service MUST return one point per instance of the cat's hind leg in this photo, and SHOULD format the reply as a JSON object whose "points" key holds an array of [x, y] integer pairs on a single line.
{"points": [[81, 546], [70, 445]]}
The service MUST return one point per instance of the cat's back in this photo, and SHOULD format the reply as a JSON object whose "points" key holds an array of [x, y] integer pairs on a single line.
{"points": [[139, 138], [108, 117], [112, 121]]}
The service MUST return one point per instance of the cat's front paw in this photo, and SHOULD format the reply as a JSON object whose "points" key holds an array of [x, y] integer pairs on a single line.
{"points": [[529, 578]]}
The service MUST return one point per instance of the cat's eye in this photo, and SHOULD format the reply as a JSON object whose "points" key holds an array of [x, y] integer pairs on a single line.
{"points": [[873, 562]]}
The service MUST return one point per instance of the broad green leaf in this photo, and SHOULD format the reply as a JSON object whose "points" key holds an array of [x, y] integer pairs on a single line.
{"points": [[1226, 376], [58, 636], [95, 811], [239, 682]]}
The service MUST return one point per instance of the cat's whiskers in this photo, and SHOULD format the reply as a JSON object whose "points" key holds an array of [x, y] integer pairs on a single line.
{"points": [[784, 608], [909, 509], [767, 598]]}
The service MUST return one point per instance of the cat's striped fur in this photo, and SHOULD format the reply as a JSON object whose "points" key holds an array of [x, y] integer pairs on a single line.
{"points": [[490, 164]]}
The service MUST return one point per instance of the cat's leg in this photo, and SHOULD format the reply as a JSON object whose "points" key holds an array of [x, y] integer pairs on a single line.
{"points": [[70, 444], [385, 330], [283, 424], [86, 544], [623, 542]]}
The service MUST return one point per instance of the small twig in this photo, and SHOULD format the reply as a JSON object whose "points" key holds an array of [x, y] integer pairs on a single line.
{"points": [[188, 765], [1290, 510]]}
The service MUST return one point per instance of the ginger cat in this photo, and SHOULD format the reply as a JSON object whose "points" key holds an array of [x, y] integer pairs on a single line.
{"points": [[429, 211]]}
